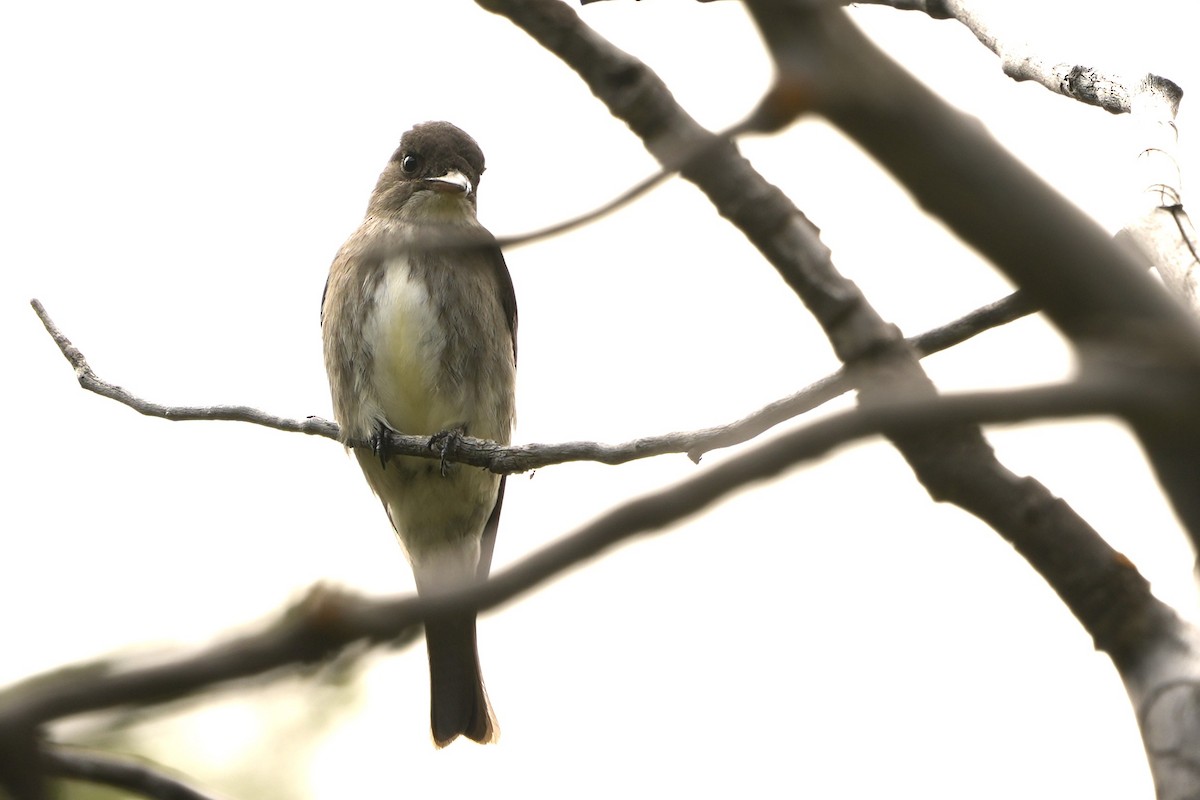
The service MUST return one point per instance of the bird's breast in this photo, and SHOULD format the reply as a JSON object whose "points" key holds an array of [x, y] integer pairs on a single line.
{"points": [[441, 349], [407, 344]]}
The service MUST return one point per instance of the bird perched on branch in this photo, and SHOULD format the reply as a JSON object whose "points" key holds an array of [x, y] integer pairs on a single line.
{"points": [[419, 322]]}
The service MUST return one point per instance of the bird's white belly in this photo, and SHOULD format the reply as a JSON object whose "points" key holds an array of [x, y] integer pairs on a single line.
{"points": [[437, 515], [409, 343]]}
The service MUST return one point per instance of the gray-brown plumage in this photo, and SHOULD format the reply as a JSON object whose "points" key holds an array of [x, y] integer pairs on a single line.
{"points": [[419, 323]]}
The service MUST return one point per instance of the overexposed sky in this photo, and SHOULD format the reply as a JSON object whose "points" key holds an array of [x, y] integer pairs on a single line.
{"points": [[174, 182]]}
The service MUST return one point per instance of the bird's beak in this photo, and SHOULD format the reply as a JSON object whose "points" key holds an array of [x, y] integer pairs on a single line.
{"points": [[453, 181]]}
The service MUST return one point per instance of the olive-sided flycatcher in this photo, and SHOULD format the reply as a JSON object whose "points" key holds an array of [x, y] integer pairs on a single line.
{"points": [[419, 322]]}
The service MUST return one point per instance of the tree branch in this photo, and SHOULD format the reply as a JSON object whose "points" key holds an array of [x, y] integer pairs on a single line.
{"points": [[621, 200], [1096, 292], [956, 465], [1088, 286], [992, 315], [1163, 233], [329, 621], [89, 380], [137, 777], [1108, 90], [1168, 240], [936, 435], [1068, 264], [508, 459]]}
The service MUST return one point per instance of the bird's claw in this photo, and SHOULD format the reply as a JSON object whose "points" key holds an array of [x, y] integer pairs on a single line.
{"points": [[445, 443], [381, 445]]}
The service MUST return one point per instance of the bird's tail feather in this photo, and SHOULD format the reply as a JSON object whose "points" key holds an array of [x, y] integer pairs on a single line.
{"points": [[458, 701]]}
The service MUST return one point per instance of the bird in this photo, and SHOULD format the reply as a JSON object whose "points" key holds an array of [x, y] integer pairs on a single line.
{"points": [[419, 324]]}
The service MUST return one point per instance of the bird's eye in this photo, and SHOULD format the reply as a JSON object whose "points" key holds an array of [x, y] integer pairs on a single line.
{"points": [[409, 164]]}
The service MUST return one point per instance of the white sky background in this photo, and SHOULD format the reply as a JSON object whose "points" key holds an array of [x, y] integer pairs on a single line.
{"points": [[173, 186]]}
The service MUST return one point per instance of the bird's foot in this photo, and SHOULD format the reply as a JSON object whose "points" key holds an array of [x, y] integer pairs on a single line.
{"points": [[445, 443], [381, 445]]}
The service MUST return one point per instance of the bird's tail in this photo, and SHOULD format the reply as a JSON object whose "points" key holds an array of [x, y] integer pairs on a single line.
{"points": [[458, 701]]}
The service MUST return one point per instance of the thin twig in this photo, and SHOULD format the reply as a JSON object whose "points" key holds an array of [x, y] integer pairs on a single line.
{"points": [[89, 380], [522, 458], [626, 197]]}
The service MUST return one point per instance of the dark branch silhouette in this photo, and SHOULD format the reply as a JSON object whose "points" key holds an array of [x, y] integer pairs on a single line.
{"points": [[956, 465], [1097, 293], [132, 776]]}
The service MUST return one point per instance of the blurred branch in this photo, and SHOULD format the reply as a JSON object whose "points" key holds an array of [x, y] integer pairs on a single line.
{"points": [[508, 459], [136, 777], [956, 464], [328, 621], [1164, 233], [319, 626], [1096, 292], [1087, 286], [1000, 312], [1100, 296], [616, 203]]}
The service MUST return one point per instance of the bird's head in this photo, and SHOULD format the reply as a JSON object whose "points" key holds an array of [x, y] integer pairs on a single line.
{"points": [[436, 168]]}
